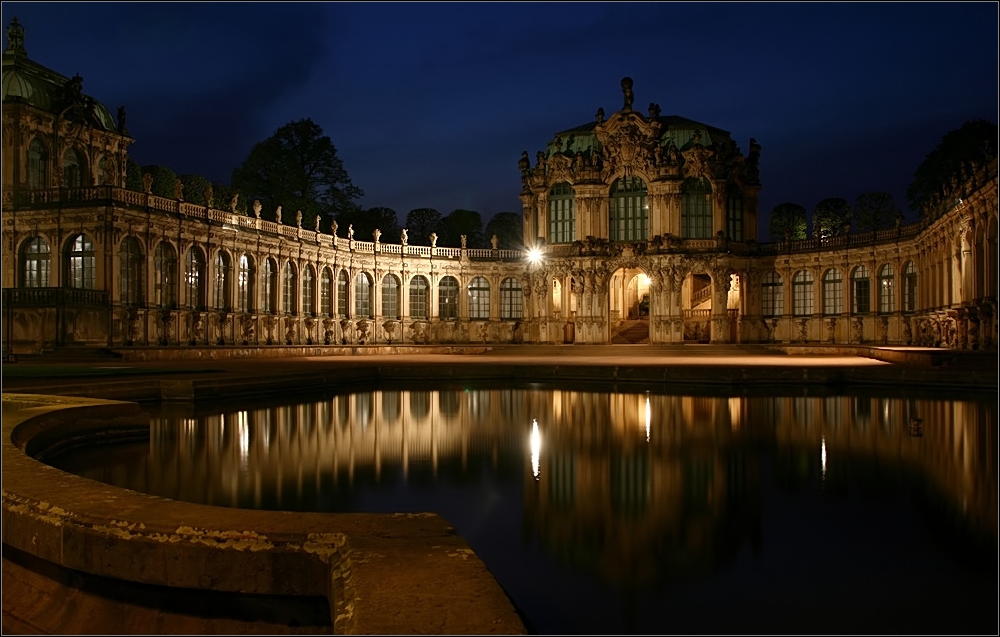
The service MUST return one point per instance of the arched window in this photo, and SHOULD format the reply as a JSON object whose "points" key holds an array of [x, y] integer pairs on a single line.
{"points": [[194, 279], [81, 263], [390, 296], [289, 289], [802, 293], [886, 289], [269, 287], [131, 264], [628, 218], [734, 212], [448, 298], [36, 261], [772, 295], [342, 294], [326, 293], [72, 169], [246, 284], [910, 287], [165, 272], [419, 298], [362, 296], [562, 217], [833, 292], [223, 281], [860, 291], [309, 291], [38, 165], [479, 299], [511, 298], [696, 208]]}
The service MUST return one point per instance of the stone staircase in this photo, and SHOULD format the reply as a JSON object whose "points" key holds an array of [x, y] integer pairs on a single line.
{"points": [[631, 333]]}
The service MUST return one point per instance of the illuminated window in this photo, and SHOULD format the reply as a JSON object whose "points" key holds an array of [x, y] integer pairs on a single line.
{"points": [[362, 296], [269, 287], [419, 298], [802, 293], [886, 289], [772, 296], [448, 298], [130, 263], [72, 169], [38, 165], [390, 297], [309, 291], [511, 298], [860, 291], [562, 217], [734, 213], [479, 299], [246, 284], [165, 273], [628, 210], [326, 293], [222, 281], [35, 263], [194, 279], [342, 294], [696, 208], [82, 262], [909, 287], [289, 289], [833, 292]]}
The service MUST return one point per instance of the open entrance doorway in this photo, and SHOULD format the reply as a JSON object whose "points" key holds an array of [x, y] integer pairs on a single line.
{"points": [[629, 299]]}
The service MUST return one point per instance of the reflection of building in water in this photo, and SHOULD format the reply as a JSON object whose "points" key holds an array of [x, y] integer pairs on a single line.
{"points": [[628, 481]]}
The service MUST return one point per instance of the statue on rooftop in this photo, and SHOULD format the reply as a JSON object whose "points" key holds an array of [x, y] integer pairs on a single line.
{"points": [[627, 91]]}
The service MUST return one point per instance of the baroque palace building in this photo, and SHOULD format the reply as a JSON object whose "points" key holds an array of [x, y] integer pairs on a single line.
{"points": [[642, 229]]}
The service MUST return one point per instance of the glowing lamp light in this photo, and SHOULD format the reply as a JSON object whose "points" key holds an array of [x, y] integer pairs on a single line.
{"points": [[534, 255], [643, 279]]}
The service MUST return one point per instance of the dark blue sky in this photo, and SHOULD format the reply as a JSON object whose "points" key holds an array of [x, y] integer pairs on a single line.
{"points": [[430, 105]]}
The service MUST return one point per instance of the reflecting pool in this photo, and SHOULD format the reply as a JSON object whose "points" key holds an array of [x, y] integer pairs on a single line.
{"points": [[633, 512]]}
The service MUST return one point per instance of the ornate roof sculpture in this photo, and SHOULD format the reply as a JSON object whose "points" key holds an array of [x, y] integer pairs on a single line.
{"points": [[28, 82]]}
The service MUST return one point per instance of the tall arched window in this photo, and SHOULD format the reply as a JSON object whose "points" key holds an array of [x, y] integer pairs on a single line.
{"points": [[222, 281], [860, 291], [269, 287], [448, 298], [81, 263], [734, 212], [36, 261], [342, 294], [511, 298], [802, 293], [165, 273], [419, 298], [38, 165], [390, 297], [628, 218], [772, 295], [833, 292], [886, 289], [362, 296], [326, 293], [289, 289], [696, 208], [131, 264], [562, 216], [194, 279], [910, 287], [72, 169], [309, 291], [479, 299], [246, 284]]}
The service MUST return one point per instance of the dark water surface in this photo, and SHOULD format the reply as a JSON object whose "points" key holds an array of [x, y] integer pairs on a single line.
{"points": [[606, 512]]}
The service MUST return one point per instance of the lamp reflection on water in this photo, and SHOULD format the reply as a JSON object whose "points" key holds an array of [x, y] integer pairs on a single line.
{"points": [[536, 447], [648, 416], [822, 457]]}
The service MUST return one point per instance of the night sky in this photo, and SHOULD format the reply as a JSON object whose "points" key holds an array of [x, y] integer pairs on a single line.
{"points": [[430, 105]]}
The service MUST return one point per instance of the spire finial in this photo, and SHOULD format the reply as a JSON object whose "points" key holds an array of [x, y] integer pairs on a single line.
{"points": [[15, 38]]}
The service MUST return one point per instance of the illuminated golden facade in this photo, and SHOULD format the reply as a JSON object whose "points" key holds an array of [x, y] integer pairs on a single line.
{"points": [[645, 225]]}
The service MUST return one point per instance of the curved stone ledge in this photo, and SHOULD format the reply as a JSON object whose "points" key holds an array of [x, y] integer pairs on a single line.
{"points": [[94, 528]]}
